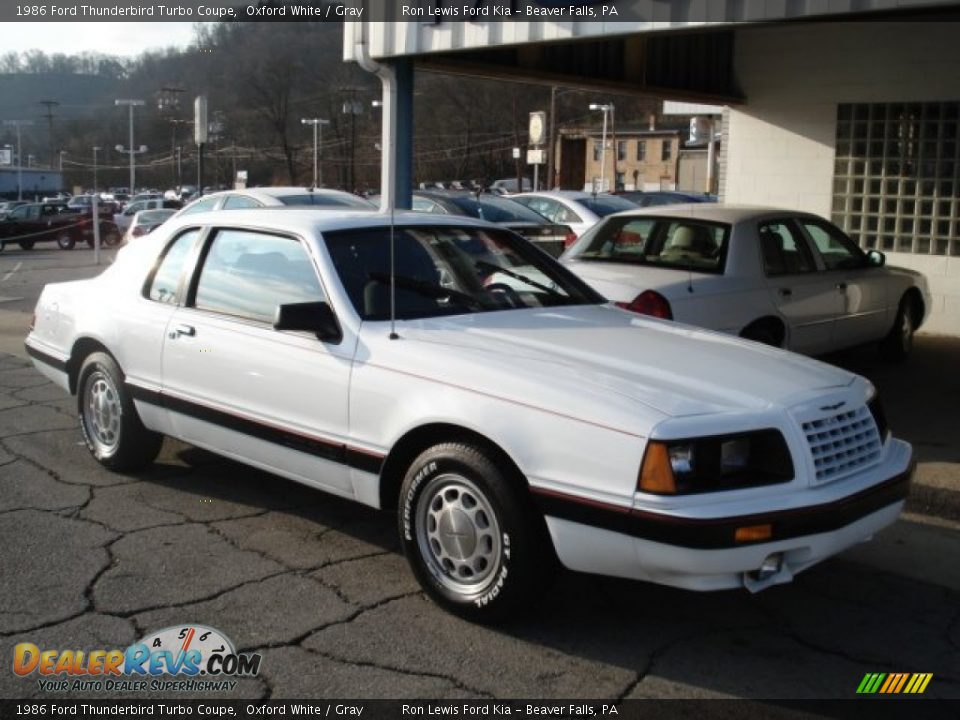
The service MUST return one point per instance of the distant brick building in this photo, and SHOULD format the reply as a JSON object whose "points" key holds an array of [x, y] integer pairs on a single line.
{"points": [[640, 160]]}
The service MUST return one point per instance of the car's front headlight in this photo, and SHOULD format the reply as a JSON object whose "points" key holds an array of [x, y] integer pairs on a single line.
{"points": [[715, 463]]}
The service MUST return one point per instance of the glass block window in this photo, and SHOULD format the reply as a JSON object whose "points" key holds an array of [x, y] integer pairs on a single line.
{"points": [[896, 180]]}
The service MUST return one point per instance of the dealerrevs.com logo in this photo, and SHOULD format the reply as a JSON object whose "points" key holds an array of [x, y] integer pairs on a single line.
{"points": [[182, 658]]}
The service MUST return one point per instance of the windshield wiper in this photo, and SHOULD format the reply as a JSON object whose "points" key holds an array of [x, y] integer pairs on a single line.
{"points": [[484, 265], [429, 289]]}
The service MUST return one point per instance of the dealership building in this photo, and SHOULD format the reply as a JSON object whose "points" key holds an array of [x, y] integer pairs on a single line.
{"points": [[849, 109]]}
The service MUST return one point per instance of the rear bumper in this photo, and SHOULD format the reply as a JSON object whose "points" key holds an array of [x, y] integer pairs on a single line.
{"points": [[700, 553], [50, 363]]}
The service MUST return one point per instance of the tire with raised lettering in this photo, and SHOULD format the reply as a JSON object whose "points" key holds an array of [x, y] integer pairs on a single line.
{"points": [[471, 533]]}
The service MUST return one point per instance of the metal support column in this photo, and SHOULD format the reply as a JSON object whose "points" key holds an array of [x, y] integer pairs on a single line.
{"points": [[403, 150]]}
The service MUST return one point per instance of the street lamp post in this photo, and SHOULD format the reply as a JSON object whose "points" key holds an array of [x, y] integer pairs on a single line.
{"points": [[95, 150], [606, 109], [318, 124], [131, 104], [18, 124]]}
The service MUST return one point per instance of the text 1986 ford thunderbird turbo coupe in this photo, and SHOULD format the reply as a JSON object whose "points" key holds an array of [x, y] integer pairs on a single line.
{"points": [[512, 418]]}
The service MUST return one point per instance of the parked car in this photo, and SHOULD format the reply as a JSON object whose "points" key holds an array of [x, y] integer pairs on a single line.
{"points": [[506, 428], [29, 224], [510, 185], [123, 219], [106, 207], [781, 277], [277, 197], [7, 206], [578, 210], [146, 221], [653, 198], [550, 237]]}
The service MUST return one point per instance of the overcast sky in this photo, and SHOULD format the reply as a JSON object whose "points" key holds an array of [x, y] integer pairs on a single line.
{"points": [[121, 38]]}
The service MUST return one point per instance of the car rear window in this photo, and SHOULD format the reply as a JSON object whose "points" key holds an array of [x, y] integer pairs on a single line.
{"points": [[497, 210], [682, 243], [603, 205], [325, 200]]}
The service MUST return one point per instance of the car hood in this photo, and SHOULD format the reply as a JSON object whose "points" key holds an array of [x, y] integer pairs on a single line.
{"points": [[588, 360]]}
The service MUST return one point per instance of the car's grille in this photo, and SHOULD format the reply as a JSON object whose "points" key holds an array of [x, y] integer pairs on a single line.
{"points": [[842, 443]]}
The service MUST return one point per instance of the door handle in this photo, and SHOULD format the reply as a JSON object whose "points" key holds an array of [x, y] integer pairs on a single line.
{"points": [[179, 330], [786, 292]]}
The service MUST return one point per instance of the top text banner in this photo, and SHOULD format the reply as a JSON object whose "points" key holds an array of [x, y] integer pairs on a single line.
{"points": [[427, 11], [441, 12]]}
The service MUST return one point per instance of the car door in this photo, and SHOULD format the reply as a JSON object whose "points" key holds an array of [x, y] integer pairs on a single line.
{"points": [[16, 224], [807, 301], [862, 287], [144, 322], [276, 399]]}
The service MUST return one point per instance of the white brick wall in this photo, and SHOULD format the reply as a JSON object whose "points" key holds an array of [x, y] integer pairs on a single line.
{"points": [[780, 147]]}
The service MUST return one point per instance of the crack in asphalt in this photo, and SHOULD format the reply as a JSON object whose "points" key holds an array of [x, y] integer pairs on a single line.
{"points": [[452, 679], [787, 629], [298, 641]]}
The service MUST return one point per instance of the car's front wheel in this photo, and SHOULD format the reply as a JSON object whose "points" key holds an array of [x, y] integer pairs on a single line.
{"points": [[471, 534], [111, 427]]}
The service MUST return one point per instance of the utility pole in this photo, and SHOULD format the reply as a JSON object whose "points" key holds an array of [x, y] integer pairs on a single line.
{"points": [[605, 109], [552, 141], [318, 124], [49, 105], [18, 124], [96, 149], [131, 104]]}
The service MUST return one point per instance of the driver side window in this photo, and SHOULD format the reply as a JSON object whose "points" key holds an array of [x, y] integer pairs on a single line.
{"points": [[837, 250]]}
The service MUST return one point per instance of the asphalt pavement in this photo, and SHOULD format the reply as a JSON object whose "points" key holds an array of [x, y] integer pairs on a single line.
{"points": [[317, 585]]}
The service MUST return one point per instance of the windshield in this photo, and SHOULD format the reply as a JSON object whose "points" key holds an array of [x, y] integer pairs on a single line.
{"points": [[668, 242], [449, 271], [338, 200], [496, 210]]}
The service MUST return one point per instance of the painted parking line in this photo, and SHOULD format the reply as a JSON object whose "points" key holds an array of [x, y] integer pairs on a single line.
{"points": [[15, 268]]}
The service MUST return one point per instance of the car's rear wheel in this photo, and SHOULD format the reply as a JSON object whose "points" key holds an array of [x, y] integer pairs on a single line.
{"points": [[111, 237], [899, 342], [471, 534], [66, 241], [766, 331], [111, 427], [26, 244]]}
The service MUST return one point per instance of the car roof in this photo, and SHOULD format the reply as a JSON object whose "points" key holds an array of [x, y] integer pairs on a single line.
{"points": [[716, 212], [300, 220], [280, 191]]}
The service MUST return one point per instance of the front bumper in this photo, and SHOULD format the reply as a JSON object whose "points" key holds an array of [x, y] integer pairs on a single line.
{"points": [[701, 553]]}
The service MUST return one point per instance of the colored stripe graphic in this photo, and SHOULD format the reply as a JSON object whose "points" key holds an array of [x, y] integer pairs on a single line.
{"points": [[894, 683]]}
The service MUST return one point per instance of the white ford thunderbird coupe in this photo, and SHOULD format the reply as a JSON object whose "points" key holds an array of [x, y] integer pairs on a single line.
{"points": [[508, 424]]}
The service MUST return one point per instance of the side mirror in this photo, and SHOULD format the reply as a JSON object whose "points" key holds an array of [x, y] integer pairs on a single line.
{"points": [[875, 258], [315, 317]]}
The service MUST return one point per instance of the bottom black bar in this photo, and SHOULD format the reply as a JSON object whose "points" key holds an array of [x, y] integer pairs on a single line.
{"points": [[874, 707]]}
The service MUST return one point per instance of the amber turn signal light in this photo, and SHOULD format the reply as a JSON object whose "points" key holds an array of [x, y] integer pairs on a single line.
{"points": [[753, 533], [656, 475]]}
